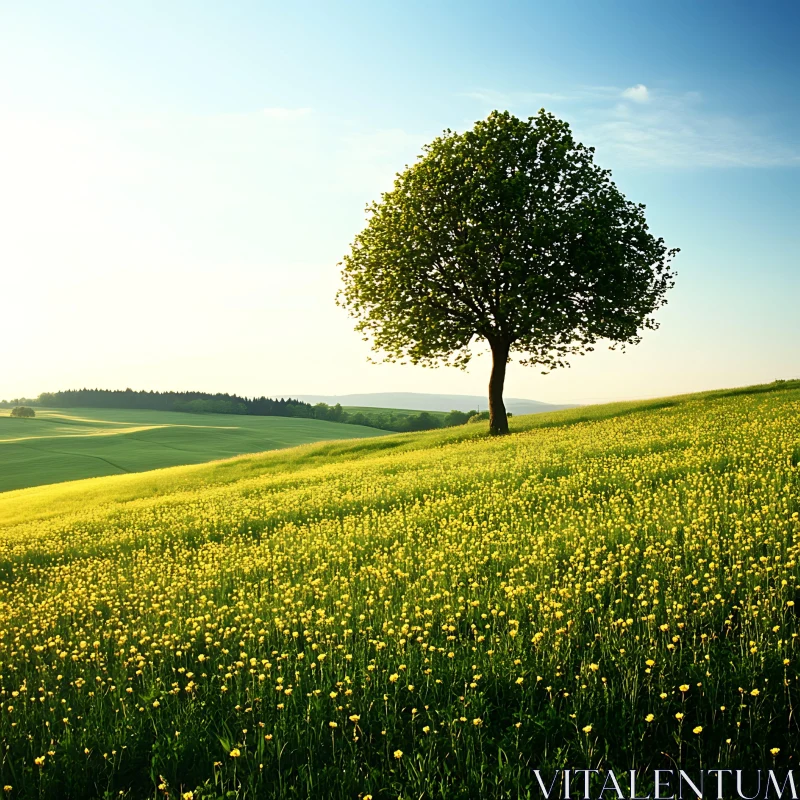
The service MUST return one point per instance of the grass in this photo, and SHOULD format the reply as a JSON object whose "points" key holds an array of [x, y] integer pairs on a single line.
{"points": [[428, 615], [397, 412], [64, 445]]}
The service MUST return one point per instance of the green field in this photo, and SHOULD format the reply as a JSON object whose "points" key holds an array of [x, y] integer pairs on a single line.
{"points": [[397, 412], [69, 444], [426, 615]]}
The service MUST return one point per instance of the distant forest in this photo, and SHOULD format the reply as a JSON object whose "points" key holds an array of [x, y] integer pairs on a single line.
{"points": [[204, 403]]}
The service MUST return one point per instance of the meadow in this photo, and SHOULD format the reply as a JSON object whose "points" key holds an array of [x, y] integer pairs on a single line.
{"points": [[398, 412], [428, 615], [69, 444]]}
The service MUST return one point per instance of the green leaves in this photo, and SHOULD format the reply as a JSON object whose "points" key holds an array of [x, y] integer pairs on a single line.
{"points": [[508, 233]]}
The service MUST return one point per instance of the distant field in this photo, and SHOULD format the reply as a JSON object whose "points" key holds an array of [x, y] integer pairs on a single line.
{"points": [[397, 412], [64, 445]]}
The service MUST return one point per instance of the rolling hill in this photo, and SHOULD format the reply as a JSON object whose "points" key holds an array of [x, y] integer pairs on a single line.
{"points": [[64, 445], [415, 614], [429, 402]]}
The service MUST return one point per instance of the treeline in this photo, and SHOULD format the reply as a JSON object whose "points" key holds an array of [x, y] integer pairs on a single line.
{"points": [[195, 402], [18, 401], [400, 423], [204, 403]]}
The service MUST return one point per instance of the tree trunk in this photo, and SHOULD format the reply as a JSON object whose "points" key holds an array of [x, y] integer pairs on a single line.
{"points": [[498, 420]]}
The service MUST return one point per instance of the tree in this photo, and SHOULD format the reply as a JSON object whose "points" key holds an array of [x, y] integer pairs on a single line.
{"points": [[456, 417], [507, 234], [23, 411], [422, 422]]}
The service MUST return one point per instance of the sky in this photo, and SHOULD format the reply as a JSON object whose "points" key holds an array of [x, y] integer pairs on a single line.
{"points": [[179, 181]]}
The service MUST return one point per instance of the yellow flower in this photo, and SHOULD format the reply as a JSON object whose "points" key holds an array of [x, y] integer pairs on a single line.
{"points": [[332, 725], [755, 693], [698, 729], [679, 715], [649, 718], [354, 718], [235, 753], [684, 687], [39, 761], [587, 729], [477, 722], [775, 750], [520, 680], [398, 754], [594, 667]]}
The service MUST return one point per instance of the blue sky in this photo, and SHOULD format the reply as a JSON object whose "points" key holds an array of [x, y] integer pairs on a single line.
{"points": [[181, 179]]}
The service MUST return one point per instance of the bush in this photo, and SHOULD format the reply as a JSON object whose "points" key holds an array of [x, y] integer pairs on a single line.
{"points": [[23, 411], [457, 418], [484, 415], [423, 422]]}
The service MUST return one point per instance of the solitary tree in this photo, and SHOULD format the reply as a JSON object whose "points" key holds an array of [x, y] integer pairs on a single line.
{"points": [[507, 234], [23, 411]]}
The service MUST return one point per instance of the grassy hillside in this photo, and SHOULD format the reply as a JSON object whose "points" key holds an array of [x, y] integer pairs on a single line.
{"points": [[80, 443], [425, 615]]}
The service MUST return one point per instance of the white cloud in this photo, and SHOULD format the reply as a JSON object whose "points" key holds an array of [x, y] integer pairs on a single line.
{"points": [[657, 129], [675, 131], [638, 93], [495, 99]]}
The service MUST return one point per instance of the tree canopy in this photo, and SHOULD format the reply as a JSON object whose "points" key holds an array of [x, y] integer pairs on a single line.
{"points": [[507, 234], [23, 411]]}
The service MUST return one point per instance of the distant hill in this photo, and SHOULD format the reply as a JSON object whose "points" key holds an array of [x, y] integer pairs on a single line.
{"points": [[419, 401], [70, 444]]}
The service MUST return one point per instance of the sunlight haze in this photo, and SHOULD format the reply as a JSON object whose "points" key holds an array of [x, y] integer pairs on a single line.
{"points": [[178, 182]]}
